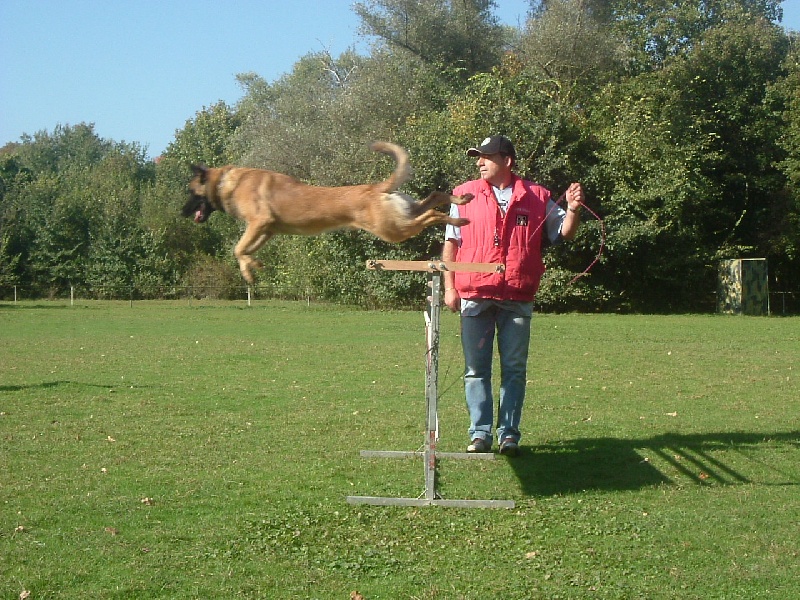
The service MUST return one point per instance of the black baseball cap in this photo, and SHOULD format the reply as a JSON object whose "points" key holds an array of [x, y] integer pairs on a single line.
{"points": [[495, 144]]}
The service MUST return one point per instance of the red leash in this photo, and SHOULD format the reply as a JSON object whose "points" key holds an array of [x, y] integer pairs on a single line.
{"points": [[602, 236]]}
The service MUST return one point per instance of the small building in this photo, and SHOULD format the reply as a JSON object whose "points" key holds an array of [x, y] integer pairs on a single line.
{"points": [[743, 287]]}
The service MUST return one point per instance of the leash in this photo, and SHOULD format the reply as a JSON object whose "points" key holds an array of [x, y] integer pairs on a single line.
{"points": [[585, 272]]}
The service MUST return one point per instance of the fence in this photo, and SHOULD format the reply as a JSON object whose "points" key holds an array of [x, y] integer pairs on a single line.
{"points": [[780, 303], [76, 294]]}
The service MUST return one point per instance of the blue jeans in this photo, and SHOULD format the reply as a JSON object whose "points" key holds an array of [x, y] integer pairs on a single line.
{"points": [[477, 339]]}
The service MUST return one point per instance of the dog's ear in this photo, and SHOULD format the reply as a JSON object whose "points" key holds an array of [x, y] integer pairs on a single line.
{"points": [[200, 171]]}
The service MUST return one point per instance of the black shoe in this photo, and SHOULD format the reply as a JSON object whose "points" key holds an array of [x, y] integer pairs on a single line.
{"points": [[509, 447]]}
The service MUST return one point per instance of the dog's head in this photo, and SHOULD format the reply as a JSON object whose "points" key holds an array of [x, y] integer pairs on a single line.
{"points": [[199, 205]]}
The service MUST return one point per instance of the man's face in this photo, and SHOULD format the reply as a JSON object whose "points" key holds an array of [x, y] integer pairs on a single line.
{"points": [[494, 168]]}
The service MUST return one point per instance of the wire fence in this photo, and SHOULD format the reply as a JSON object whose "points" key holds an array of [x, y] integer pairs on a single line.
{"points": [[780, 303], [784, 303], [78, 294]]}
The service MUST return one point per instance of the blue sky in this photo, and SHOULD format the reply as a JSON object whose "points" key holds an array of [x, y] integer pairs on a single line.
{"points": [[139, 69]]}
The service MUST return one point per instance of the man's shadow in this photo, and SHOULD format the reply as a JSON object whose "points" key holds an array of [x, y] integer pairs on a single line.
{"points": [[629, 464]]}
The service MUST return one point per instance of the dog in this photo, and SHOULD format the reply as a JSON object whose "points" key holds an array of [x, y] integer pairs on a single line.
{"points": [[272, 203]]}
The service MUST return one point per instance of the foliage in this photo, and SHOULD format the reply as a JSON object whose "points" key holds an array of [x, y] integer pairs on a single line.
{"points": [[74, 201], [586, 55], [213, 278], [784, 238], [8, 263], [688, 156], [206, 139], [464, 35], [681, 119], [655, 31]]}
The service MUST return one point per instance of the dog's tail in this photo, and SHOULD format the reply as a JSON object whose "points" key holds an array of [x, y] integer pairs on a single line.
{"points": [[402, 172]]}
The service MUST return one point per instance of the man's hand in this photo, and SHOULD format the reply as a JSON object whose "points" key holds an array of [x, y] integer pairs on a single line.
{"points": [[452, 299], [575, 197]]}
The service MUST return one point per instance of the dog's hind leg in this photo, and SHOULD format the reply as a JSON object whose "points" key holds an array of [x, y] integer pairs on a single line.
{"points": [[439, 198], [432, 217]]}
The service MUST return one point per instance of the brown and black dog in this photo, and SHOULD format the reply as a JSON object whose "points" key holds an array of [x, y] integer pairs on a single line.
{"points": [[272, 203]]}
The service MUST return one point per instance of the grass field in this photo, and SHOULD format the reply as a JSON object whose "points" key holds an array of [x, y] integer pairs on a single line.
{"points": [[160, 450]]}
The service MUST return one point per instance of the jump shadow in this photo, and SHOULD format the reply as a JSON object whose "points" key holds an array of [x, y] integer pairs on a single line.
{"points": [[621, 464], [6, 305], [54, 384]]}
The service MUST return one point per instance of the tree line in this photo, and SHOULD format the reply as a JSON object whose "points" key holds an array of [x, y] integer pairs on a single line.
{"points": [[681, 119]]}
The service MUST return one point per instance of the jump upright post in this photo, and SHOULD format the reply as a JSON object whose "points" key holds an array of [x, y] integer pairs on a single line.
{"points": [[430, 496]]}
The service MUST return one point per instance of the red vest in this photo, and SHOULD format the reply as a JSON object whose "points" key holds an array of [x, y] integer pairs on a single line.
{"points": [[518, 235]]}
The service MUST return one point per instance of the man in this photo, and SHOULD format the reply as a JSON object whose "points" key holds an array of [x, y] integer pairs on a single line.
{"points": [[507, 217]]}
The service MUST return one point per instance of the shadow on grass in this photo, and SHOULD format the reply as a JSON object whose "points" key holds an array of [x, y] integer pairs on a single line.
{"points": [[4, 305], [54, 384], [617, 464]]}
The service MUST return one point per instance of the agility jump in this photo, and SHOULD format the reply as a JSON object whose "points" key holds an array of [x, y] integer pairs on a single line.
{"points": [[431, 496]]}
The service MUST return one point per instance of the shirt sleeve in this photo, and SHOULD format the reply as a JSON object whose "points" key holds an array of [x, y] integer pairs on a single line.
{"points": [[453, 232], [554, 220]]}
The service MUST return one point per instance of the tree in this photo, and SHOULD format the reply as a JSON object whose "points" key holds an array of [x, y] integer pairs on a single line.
{"points": [[462, 35], [67, 147], [298, 125], [13, 178], [57, 188], [570, 45], [785, 94], [206, 138], [656, 30], [687, 165], [784, 239], [8, 263]]}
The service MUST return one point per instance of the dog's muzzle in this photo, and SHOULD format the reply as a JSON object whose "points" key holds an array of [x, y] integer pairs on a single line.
{"points": [[198, 208]]}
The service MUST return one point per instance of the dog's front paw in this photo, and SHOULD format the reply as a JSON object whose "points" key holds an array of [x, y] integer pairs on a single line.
{"points": [[248, 266]]}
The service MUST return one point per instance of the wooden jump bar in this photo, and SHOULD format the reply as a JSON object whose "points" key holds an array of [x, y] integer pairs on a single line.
{"points": [[434, 266]]}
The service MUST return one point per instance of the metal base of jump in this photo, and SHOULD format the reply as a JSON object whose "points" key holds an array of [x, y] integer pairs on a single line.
{"points": [[430, 456]]}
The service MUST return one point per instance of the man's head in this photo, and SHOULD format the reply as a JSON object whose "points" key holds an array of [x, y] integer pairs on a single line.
{"points": [[496, 158]]}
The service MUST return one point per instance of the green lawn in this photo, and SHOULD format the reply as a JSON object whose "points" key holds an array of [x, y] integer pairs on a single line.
{"points": [[161, 450]]}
